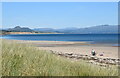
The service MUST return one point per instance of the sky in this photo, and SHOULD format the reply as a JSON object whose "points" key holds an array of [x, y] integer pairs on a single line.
{"points": [[58, 14]]}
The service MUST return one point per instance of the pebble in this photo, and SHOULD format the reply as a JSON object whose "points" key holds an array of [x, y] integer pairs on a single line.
{"points": [[93, 59]]}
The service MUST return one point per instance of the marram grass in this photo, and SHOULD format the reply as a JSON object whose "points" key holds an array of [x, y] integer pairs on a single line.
{"points": [[26, 60]]}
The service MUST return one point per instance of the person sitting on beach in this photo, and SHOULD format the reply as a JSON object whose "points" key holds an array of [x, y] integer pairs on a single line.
{"points": [[93, 52]]}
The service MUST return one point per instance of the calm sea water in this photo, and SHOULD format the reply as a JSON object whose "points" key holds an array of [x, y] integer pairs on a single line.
{"points": [[92, 38]]}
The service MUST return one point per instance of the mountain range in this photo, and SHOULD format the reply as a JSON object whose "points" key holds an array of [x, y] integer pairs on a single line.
{"points": [[101, 29]]}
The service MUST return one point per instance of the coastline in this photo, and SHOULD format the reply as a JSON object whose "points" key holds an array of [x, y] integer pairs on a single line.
{"points": [[15, 33], [74, 47]]}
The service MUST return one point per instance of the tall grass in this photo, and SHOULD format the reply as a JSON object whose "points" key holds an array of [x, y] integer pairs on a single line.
{"points": [[26, 60]]}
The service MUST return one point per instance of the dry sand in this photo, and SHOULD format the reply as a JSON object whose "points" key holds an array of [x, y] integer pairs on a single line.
{"points": [[76, 47]]}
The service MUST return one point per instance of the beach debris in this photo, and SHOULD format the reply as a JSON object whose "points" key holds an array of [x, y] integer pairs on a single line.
{"points": [[91, 59], [70, 53], [101, 54]]}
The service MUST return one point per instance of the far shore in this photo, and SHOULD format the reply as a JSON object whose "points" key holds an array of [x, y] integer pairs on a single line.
{"points": [[7, 33]]}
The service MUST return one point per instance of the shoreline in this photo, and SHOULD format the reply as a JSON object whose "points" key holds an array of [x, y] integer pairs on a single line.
{"points": [[78, 50], [71, 42], [74, 47], [22, 33]]}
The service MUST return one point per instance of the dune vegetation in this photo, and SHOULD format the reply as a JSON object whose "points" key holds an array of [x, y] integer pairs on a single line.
{"points": [[27, 60]]}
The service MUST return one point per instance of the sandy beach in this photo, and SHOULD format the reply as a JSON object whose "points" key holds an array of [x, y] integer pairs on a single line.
{"points": [[76, 47]]}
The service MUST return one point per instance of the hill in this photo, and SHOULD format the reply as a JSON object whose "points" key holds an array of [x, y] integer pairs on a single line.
{"points": [[19, 29]]}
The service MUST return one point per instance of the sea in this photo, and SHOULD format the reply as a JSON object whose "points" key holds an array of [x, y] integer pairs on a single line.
{"points": [[111, 39]]}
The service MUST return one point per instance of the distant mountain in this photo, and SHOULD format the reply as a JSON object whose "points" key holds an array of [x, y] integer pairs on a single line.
{"points": [[19, 29], [101, 29], [44, 29]]}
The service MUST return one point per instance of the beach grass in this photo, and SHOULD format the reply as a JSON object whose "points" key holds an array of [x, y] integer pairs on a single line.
{"points": [[27, 60]]}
